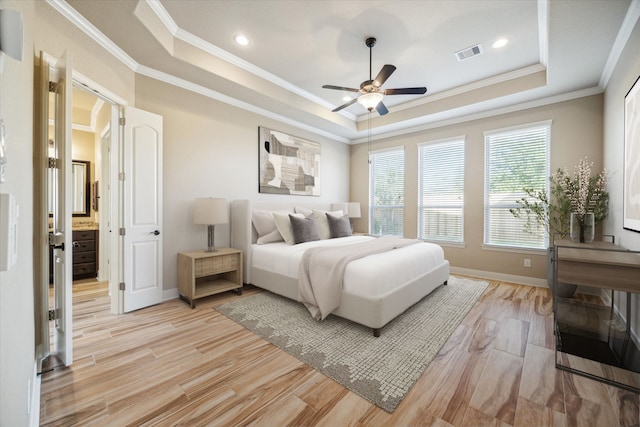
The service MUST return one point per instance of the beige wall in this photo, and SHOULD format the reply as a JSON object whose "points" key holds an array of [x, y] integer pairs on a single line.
{"points": [[625, 74], [16, 285], [211, 150], [576, 131]]}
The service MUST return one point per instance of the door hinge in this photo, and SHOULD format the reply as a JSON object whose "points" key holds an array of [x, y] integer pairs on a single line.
{"points": [[122, 231], [122, 121], [121, 176], [53, 86], [52, 162], [122, 286], [52, 315]]}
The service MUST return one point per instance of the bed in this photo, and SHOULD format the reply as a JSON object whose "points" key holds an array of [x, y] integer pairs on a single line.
{"points": [[376, 288]]}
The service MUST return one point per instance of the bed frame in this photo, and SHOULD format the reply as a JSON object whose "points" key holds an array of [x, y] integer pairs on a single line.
{"points": [[372, 311]]}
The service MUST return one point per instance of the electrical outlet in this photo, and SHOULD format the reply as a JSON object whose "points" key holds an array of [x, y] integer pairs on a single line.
{"points": [[527, 262]]}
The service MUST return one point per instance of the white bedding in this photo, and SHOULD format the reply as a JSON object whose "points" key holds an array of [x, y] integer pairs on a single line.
{"points": [[373, 275]]}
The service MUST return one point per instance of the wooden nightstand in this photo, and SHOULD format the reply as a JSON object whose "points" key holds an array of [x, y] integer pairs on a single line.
{"points": [[202, 273]]}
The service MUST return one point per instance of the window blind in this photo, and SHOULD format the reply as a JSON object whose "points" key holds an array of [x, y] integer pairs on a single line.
{"points": [[441, 191], [514, 160], [386, 192]]}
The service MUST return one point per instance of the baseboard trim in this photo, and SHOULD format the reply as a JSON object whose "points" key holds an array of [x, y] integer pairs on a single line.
{"points": [[169, 294], [34, 406], [511, 278]]}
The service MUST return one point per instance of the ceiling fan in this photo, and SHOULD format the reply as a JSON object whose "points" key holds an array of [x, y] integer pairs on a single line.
{"points": [[371, 94]]}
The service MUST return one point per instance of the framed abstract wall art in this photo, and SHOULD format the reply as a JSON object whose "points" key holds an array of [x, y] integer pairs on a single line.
{"points": [[631, 191], [288, 164]]}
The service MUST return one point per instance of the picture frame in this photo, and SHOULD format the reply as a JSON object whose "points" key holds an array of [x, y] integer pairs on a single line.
{"points": [[631, 184], [288, 164]]}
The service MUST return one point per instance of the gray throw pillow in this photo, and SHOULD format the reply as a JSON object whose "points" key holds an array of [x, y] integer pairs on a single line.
{"points": [[304, 229], [339, 227]]}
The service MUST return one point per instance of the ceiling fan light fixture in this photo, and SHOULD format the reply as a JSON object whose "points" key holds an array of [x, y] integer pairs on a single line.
{"points": [[370, 100]]}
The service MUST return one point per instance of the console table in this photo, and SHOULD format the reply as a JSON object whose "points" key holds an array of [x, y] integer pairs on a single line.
{"points": [[593, 331]]}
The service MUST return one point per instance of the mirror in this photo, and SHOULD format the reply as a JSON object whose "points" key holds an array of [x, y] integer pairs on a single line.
{"points": [[80, 176]]}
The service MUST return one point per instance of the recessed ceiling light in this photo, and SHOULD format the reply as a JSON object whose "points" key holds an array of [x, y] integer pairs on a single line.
{"points": [[499, 43], [242, 40]]}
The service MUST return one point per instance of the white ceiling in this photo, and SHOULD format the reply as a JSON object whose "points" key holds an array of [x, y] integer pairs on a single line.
{"points": [[558, 49]]}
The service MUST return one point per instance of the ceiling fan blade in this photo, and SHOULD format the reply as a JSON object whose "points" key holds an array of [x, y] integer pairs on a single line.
{"points": [[384, 74], [381, 108], [349, 89], [406, 91], [353, 101]]}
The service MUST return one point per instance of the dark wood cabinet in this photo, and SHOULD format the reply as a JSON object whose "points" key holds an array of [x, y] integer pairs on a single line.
{"points": [[85, 254]]}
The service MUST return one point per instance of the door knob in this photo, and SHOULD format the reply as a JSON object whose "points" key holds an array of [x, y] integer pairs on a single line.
{"points": [[155, 232]]}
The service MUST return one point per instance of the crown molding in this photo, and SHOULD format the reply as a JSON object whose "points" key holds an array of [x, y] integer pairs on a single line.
{"points": [[211, 49], [210, 93], [629, 22], [390, 131], [543, 31], [460, 90], [81, 22]]}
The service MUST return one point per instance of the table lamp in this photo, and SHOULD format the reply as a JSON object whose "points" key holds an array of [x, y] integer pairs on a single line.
{"points": [[210, 211]]}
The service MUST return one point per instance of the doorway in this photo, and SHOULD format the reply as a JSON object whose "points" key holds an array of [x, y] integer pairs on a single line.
{"points": [[120, 218], [91, 115]]}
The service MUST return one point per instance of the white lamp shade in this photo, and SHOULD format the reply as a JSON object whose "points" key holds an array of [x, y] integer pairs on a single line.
{"points": [[370, 100], [339, 207], [210, 211], [353, 209]]}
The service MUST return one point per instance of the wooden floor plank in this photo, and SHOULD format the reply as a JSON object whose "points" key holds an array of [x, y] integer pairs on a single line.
{"points": [[173, 365]]}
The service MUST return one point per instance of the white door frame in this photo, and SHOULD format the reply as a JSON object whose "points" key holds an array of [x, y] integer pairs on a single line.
{"points": [[115, 160]]}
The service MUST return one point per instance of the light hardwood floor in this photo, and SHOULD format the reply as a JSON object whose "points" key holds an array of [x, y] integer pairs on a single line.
{"points": [[171, 365]]}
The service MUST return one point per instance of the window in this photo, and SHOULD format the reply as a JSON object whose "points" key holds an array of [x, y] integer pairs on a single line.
{"points": [[441, 191], [514, 159], [386, 192]]}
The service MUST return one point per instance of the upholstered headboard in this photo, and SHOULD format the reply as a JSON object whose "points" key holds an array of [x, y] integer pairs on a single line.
{"points": [[243, 234]]}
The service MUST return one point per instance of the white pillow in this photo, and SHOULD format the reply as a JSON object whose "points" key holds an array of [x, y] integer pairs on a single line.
{"points": [[322, 223], [272, 237], [283, 223], [265, 225]]}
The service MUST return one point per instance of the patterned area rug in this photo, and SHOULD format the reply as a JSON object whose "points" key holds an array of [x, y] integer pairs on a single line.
{"points": [[381, 370]]}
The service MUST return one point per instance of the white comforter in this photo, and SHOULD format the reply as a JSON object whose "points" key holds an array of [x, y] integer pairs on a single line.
{"points": [[322, 271], [376, 274]]}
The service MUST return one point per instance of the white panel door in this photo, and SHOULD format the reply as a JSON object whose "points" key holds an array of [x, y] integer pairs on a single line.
{"points": [[142, 209], [62, 247]]}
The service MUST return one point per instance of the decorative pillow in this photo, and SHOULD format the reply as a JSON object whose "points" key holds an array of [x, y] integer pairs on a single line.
{"points": [[304, 229], [283, 223], [322, 223], [272, 237], [265, 225], [340, 227]]}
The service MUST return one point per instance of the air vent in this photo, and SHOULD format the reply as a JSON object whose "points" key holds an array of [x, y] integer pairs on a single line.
{"points": [[468, 52]]}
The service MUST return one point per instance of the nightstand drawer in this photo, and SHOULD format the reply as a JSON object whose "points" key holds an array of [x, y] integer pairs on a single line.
{"points": [[229, 262], [207, 266]]}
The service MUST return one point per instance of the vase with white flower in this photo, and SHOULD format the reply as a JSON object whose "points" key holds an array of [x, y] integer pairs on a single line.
{"points": [[587, 197], [578, 202]]}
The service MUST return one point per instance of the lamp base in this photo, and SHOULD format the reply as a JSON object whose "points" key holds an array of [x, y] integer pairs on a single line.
{"points": [[211, 246]]}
